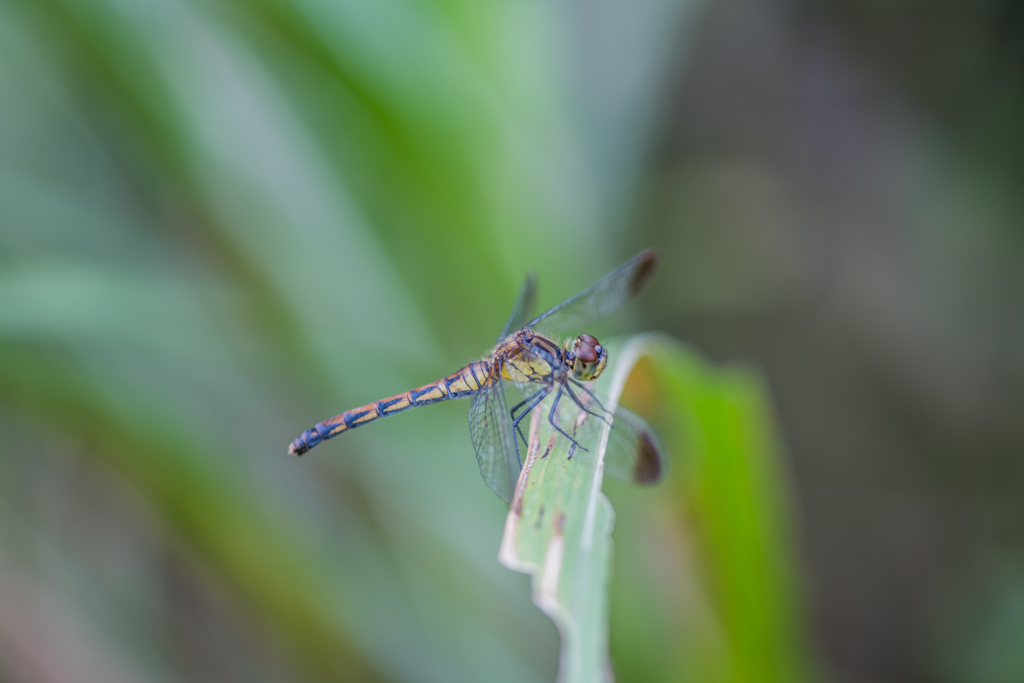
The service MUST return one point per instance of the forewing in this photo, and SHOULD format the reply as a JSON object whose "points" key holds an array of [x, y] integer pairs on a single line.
{"points": [[490, 428], [522, 307], [603, 297], [635, 452]]}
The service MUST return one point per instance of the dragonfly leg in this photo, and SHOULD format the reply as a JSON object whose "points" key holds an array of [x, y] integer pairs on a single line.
{"points": [[522, 403], [515, 422], [517, 427], [576, 400], [551, 418], [534, 400], [589, 393], [513, 414]]}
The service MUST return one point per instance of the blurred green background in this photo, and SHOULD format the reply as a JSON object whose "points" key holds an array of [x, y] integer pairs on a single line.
{"points": [[223, 221]]}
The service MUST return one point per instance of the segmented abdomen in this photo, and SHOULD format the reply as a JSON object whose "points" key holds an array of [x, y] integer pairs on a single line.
{"points": [[465, 382]]}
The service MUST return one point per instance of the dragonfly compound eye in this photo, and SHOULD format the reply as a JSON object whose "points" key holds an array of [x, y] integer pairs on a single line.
{"points": [[588, 358], [586, 353]]}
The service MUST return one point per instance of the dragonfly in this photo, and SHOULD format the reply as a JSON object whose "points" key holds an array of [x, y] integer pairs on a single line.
{"points": [[528, 360]]}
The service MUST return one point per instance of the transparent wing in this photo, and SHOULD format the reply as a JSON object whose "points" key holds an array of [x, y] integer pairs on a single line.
{"points": [[521, 309], [635, 452], [490, 428], [603, 297]]}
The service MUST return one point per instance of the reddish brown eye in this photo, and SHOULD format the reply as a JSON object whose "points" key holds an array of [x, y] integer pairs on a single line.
{"points": [[586, 353], [588, 339]]}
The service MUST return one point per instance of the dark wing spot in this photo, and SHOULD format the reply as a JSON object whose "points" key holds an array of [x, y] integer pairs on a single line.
{"points": [[648, 260], [648, 463]]}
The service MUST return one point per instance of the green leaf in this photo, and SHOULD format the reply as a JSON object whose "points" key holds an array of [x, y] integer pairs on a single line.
{"points": [[559, 526], [707, 565]]}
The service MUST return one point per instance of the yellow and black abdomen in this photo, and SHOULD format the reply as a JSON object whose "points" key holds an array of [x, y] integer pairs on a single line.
{"points": [[465, 382]]}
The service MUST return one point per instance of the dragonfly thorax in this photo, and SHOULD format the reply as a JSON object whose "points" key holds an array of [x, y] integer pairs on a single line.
{"points": [[528, 358]]}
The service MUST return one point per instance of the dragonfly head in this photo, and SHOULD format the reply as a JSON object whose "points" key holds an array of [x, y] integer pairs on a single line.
{"points": [[586, 357]]}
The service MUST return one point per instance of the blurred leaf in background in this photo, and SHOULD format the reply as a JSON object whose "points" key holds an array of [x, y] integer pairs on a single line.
{"points": [[223, 221], [705, 583], [838, 184]]}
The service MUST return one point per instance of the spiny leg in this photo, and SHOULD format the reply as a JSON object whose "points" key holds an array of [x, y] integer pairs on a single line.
{"points": [[551, 418], [589, 393], [517, 406], [534, 400], [512, 412], [582, 407], [520, 404]]}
